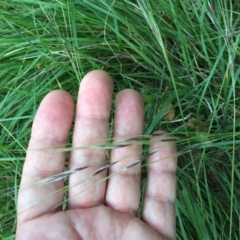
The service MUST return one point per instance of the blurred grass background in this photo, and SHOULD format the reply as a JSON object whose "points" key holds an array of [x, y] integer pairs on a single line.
{"points": [[182, 52]]}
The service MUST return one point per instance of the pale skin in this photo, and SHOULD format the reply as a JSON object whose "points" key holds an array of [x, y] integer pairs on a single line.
{"points": [[107, 210]]}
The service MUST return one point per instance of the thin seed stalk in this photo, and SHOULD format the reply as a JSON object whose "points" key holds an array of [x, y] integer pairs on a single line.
{"points": [[118, 145]]}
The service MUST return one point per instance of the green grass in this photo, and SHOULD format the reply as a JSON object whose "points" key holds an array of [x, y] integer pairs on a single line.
{"points": [[177, 52]]}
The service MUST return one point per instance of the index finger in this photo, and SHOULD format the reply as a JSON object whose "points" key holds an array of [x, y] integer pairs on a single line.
{"points": [[49, 131]]}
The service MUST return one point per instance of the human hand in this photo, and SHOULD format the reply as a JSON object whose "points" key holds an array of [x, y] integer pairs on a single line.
{"points": [[106, 210]]}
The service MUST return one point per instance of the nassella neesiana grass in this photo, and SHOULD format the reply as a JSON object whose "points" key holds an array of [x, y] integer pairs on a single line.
{"points": [[98, 168], [133, 140], [122, 144]]}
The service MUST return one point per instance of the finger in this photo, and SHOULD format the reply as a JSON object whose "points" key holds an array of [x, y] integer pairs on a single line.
{"points": [[158, 208], [123, 190], [91, 128], [50, 130]]}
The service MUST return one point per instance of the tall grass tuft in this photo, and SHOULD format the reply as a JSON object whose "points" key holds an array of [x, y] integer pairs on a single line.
{"points": [[178, 53]]}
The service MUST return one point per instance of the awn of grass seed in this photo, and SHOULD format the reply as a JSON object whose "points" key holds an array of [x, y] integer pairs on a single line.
{"points": [[122, 144]]}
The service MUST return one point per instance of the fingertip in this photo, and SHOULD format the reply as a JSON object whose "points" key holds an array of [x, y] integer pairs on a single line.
{"points": [[95, 96], [129, 113], [97, 77], [130, 95], [57, 97], [54, 116], [58, 91]]}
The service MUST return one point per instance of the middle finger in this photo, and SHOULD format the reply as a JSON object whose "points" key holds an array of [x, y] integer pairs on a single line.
{"points": [[91, 128]]}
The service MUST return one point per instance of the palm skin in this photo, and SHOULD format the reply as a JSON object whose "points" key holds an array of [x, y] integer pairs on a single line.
{"points": [[104, 211], [99, 222]]}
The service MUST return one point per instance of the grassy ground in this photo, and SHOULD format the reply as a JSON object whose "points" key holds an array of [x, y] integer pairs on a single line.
{"points": [[182, 52]]}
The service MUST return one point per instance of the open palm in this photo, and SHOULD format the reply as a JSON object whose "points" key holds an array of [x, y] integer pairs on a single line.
{"points": [[106, 210]]}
